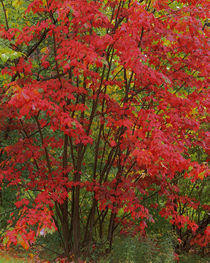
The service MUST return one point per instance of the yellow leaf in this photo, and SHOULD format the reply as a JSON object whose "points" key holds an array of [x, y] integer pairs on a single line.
{"points": [[43, 50], [16, 3], [31, 255], [23, 242]]}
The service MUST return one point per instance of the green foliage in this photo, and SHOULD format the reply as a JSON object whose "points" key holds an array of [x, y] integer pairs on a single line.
{"points": [[148, 250], [8, 54], [49, 246], [7, 206], [186, 258]]}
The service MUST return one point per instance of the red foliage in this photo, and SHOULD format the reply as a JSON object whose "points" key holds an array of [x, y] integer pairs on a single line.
{"points": [[118, 100]]}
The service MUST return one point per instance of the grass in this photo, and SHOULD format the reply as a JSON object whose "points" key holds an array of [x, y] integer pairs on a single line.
{"points": [[16, 258], [8, 259]]}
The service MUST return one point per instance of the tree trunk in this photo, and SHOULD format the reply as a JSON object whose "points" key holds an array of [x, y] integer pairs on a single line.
{"points": [[76, 224]]}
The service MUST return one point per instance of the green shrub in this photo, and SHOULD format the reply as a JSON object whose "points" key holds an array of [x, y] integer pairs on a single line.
{"points": [[186, 258], [148, 250]]}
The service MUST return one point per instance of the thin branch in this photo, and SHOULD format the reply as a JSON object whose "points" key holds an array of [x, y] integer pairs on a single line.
{"points": [[53, 251], [5, 15], [35, 46], [42, 141]]}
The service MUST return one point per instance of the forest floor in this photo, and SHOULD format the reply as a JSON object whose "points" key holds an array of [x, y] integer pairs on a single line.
{"points": [[12, 256]]}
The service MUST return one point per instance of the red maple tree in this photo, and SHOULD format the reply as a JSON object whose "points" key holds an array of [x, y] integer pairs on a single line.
{"points": [[104, 106]]}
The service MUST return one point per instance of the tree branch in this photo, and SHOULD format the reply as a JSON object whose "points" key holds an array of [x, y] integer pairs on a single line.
{"points": [[5, 15]]}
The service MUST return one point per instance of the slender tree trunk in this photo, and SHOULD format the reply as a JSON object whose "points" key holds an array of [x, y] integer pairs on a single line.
{"points": [[76, 223], [76, 206], [63, 208], [1, 195], [1, 198], [90, 224], [65, 227], [111, 230]]}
